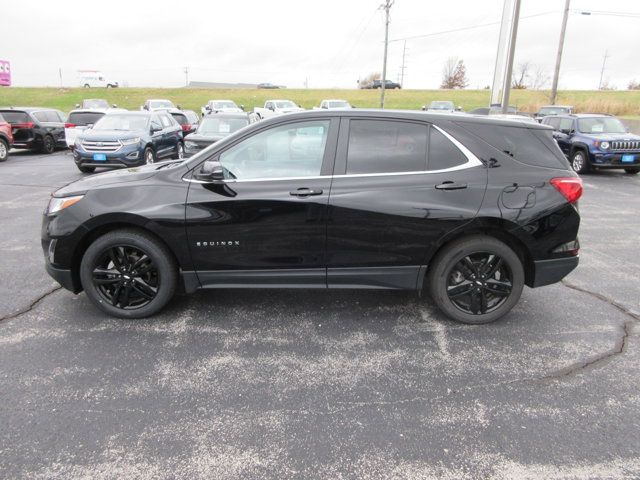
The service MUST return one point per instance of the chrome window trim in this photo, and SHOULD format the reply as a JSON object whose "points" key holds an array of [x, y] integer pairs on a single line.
{"points": [[472, 161]]}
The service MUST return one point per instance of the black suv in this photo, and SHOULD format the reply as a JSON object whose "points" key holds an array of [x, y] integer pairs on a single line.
{"points": [[389, 85], [39, 129], [122, 140], [470, 209], [593, 141]]}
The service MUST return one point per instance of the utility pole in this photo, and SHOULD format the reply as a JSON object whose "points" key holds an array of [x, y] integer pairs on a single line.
{"points": [[501, 86], [604, 61], [386, 7], [60, 73], [512, 50], [556, 73], [186, 76], [404, 53]]}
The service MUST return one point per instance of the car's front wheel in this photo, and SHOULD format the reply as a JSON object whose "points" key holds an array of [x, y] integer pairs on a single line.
{"points": [[630, 171], [128, 274], [149, 156], [579, 162], [4, 150], [476, 280]]}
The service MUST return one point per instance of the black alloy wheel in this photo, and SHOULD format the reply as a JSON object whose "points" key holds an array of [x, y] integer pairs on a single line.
{"points": [[48, 145], [477, 279], [128, 274]]}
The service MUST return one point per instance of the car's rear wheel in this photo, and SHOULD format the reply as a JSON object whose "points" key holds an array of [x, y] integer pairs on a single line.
{"points": [[4, 150], [48, 145], [86, 169], [149, 156], [128, 274], [579, 162], [630, 171], [476, 280]]}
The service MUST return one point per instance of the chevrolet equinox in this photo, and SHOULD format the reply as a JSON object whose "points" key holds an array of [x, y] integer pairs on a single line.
{"points": [[467, 209]]}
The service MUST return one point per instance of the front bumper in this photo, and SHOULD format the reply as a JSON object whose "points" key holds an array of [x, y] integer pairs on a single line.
{"points": [[125, 157], [63, 276], [614, 160], [551, 271]]}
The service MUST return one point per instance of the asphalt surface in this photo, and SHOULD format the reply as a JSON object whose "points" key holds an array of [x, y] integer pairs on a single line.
{"points": [[315, 384]]}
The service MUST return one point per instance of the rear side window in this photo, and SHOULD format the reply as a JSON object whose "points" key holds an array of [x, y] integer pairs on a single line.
{"points": [[378, 146], [566, 123], [166, 121], [442, 152], [41, 116], [84, 118], [15, 117], [517, 142], [180, 118]]}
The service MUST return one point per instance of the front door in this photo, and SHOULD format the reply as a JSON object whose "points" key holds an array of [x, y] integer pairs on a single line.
{"points": [[399, 187], [265, 225]]}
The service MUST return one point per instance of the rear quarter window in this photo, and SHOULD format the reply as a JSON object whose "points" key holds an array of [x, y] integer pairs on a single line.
{"points": [[530, 146], [443, 153]]}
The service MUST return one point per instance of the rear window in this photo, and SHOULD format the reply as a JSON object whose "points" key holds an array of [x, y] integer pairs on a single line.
{"points": [[180, 118], [84, 118], [379, 146], [15, 117], [533, 147]]}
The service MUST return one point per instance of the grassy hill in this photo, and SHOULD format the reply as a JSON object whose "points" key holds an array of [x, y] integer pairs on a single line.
{"points": [[622, 103]]}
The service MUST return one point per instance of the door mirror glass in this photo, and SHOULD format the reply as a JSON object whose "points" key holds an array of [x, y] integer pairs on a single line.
{"points": [[211, 171]]}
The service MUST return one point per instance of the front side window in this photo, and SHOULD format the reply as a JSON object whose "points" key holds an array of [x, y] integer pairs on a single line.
{"points": [[554, 122], [292, 150], [379, 146], [566, 124]]}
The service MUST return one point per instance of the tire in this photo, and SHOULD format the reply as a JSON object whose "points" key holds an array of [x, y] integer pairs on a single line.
{"points": [[580, 162], [179, 151], [86, 169], [4, 150], [149, 156], [630, 171], [120, 282], [86, 85], [48, 145], [494, 267], [109, 85]]}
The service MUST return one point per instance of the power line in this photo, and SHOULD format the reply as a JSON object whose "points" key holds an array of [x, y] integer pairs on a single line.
{"points": [[601, 12]]}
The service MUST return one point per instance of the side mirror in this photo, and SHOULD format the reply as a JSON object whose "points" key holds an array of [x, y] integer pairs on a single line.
{"points": [[324, 106], [566, 131], [77, 105], [271, 107], [242, 107], [424, 108], [89, 126], [459, 108], [178, 107], [155, 129], [114, 106], [211, 171]]}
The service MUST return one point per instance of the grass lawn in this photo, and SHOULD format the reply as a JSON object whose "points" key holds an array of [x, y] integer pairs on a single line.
{"points": [[623, 103]]}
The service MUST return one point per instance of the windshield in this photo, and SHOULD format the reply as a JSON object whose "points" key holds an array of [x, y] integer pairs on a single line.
{"points": [[285, 104], [441, 106], [224, 105], [553, 110], [161, 104], [122, 122], [221, 126], [95, 103], [601, 125], [339, 104]]}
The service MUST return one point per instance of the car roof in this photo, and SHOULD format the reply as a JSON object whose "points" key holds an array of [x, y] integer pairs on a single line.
{"points": [[334, 100], [29, 109], [556, 106], [227, 115], [159, 100], [221, 100], [99, 110]]}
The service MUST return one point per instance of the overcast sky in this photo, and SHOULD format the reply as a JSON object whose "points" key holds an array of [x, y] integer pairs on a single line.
{"points": [[330, 43]]}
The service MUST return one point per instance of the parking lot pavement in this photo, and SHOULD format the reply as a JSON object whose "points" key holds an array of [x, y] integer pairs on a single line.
{"points": [[315, 384]]}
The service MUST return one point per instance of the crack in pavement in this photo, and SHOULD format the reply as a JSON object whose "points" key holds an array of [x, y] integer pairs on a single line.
{"points": [[33, 304]]}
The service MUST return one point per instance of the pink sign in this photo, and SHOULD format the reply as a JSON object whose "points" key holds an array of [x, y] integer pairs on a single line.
{"points": [[5, 73]]}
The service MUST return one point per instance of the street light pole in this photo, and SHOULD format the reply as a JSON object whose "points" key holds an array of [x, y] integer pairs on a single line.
{"points": [[386, 6], [556, 73]]}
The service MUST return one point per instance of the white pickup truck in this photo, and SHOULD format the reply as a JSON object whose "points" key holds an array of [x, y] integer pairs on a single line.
{"points": [[276, 107]]}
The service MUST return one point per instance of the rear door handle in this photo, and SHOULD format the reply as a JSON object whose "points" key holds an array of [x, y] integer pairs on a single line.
{"points": [[305, 192], [451, 186]]}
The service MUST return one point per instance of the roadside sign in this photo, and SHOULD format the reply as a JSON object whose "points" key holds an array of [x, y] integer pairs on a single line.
{"points": [[5, 73]]}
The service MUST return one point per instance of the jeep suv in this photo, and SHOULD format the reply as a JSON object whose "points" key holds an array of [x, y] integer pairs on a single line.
{"points": [[36, 128], [6, 139], [122, 140], [469, 209], [592, 141]]}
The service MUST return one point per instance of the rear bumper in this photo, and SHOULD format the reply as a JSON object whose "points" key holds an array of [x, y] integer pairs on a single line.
{"points": [[551, 271]]}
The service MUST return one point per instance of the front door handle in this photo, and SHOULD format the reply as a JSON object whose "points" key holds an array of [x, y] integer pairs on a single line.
{"points": [[305, 192], [449, 185]]}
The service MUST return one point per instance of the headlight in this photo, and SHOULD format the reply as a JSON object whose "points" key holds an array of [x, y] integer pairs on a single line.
{"points": [[189, 144], [60, 203], [130, 141], [604, 145]]}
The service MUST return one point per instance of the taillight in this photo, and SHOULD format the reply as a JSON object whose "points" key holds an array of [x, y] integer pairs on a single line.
{"points": [[23, 125], [186, 127], [569, 187], [70, 125]]}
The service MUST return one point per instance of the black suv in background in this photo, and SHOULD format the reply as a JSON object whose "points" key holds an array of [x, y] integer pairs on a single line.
{"points": [[122, 140], [389, 85], [469, 209], [188, 120], [36, 128], [593, 141]]}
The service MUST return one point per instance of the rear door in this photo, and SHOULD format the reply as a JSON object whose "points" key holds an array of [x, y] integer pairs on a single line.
{"points": [[399, 186], [265, 225]]}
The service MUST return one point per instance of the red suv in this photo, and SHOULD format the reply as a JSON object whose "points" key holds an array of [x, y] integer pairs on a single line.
{"points": [[6, 139]]}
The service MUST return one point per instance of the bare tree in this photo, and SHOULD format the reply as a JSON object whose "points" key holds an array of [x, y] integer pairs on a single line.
{"points": [[633, 85], [539, 78], [454, 74], [520, 77], [369, 79]]}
